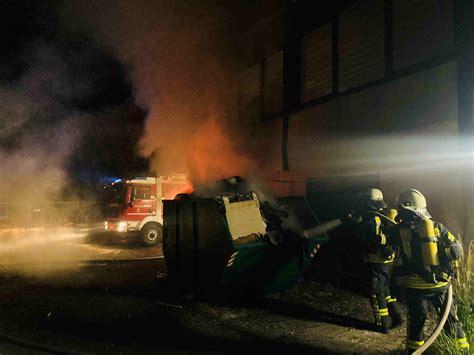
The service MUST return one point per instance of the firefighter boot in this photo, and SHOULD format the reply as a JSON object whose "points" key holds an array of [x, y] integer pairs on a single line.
{"points": [[394, 311], [413, 345], [463, 345], [383, 321], [386, 324]]}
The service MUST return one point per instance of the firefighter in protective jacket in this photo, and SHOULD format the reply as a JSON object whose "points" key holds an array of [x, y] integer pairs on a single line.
{"points": [[428, 251], [379, 255]]}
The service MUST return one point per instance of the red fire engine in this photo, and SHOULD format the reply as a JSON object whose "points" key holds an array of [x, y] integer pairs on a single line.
{"points": [[133, 208]]}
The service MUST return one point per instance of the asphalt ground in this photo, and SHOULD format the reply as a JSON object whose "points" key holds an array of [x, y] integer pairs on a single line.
{"points": [[112, 321], [116, 306]]}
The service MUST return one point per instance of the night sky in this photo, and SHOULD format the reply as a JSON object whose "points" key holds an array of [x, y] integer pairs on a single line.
{"points": [[66, 74]]}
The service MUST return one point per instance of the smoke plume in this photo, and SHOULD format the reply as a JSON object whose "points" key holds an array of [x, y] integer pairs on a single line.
{"points": [[181, 63], [38, 133]]}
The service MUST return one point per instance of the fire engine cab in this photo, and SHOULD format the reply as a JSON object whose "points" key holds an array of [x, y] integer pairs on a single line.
{"points": [[133, 208]]}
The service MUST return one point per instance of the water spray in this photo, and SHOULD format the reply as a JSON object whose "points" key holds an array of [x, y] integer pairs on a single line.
{"points": [[324, 228]]}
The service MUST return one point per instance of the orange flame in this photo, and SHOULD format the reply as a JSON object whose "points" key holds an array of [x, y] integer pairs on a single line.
{"points": [[170, 190]]}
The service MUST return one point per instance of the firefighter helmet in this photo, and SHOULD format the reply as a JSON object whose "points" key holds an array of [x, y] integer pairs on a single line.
{"points": [[414, 201], [374, 198]]}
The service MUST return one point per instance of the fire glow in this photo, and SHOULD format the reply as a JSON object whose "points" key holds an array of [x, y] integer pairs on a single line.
{"points": [[212, 156], [170, 191]]}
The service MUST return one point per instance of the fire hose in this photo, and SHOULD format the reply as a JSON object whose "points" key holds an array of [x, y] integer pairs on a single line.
{"points": [[444, 317], [324, 228], [441, 324]]}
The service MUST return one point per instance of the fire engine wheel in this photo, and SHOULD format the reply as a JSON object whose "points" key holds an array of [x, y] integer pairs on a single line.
{"points": [[152, 234]]}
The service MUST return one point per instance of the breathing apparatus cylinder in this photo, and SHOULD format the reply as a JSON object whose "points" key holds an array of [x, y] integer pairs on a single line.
{"points": [[428, 242], [392, 213]]}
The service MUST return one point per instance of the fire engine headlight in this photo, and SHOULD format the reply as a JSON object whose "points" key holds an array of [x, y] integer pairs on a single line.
{"points": [[122, 226], [106, 225]]}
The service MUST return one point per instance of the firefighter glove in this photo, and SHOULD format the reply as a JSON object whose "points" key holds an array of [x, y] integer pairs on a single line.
{"points": [[455, 251]]}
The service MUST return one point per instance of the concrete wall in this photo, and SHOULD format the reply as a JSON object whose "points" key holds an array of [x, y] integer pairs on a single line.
{"points": [[336, 137], [405, 130], [263, 138]]}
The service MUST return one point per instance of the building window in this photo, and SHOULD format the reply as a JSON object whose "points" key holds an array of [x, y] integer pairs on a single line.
{"points": [[273, 84], [361, 44], [316, 63], [422, 29], [250, 88]]}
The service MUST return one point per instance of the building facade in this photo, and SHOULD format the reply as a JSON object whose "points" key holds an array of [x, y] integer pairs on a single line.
{"points": [[365, 93]]}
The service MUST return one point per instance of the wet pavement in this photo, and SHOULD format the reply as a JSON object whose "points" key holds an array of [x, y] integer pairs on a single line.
{"points": [[68, 244]]}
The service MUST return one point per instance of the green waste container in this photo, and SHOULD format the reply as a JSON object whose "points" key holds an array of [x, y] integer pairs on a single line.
{"points": [[203, 259]]}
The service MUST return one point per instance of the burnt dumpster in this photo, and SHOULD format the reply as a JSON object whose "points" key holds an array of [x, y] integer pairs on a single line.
{"points": [[232, 246]]}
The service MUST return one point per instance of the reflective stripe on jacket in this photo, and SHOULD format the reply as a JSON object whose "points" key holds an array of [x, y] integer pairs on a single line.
{"points": [[376, 242]]}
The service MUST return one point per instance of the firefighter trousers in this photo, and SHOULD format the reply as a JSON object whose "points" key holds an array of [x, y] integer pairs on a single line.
{"points": [[381, 296], [418, 301]]}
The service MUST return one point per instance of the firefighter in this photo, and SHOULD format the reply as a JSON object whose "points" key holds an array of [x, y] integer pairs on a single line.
{"points": [[379, 255], [428, 253]]}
